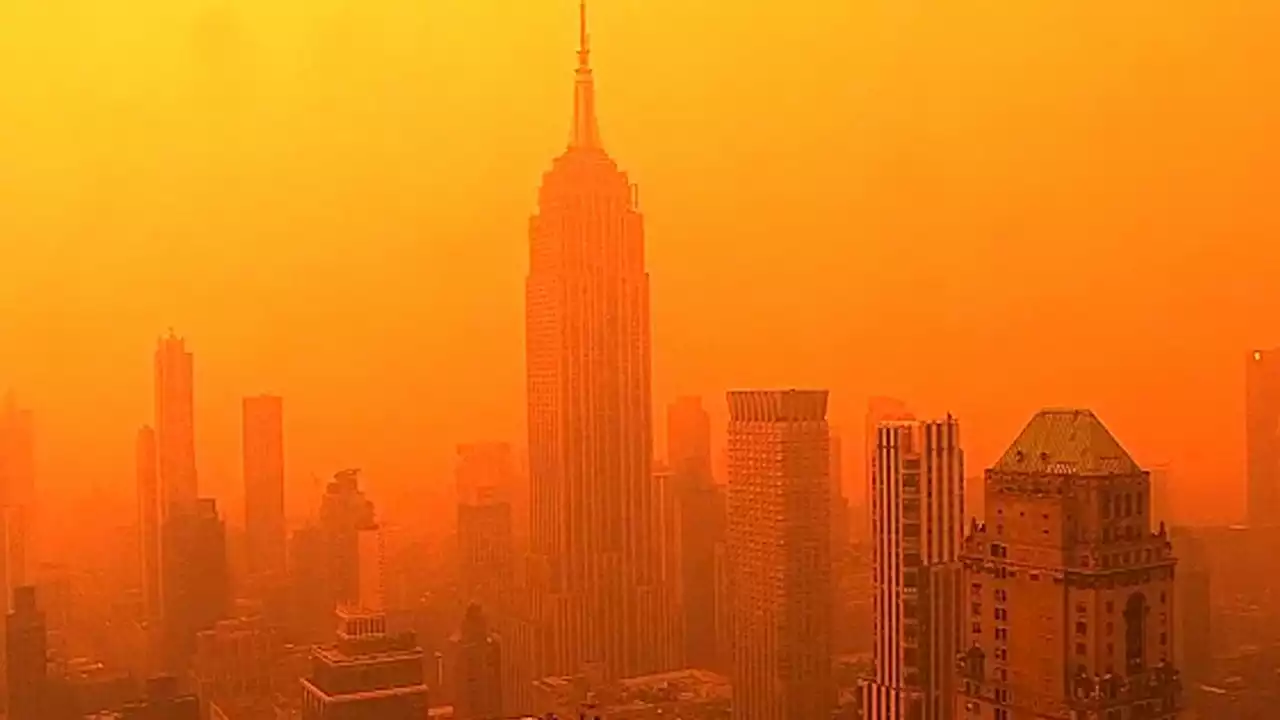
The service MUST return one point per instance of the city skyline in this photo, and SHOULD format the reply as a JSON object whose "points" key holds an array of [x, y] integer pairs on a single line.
{"points": [[166, 240]]}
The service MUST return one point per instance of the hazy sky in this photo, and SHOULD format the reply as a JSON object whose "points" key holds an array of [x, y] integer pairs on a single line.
{"points": [[985, 207]]}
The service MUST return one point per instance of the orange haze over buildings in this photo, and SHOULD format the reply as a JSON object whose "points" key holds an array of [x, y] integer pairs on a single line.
{"points": [[984, 208]]}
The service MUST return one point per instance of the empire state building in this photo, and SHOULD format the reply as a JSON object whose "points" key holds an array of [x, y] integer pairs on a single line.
{"points": [[592, 519]]}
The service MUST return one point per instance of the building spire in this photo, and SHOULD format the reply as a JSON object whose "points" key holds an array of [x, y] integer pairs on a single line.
{"points": [[586, 132]]}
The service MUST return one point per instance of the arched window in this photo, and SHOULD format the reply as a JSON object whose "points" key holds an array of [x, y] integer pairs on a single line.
{"points": [[1135, 633]]}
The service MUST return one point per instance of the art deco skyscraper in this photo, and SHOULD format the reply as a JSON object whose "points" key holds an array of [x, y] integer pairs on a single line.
{"points": [[263, 448], [1262, 438], [917, 525], [175, 424], [780, 554], [592, 516], [1068, 588]]}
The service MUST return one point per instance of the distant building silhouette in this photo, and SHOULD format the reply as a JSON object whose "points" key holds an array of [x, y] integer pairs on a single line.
{"points": [[263, 450], [17, 490], [696, 507], [1068, 589], [175, 424], [1193, 606], [26, 643], [1262, 438], [592, 523], [197, 588], [485, 476], [367, 673], [345, 512], [917, 519], [478, 672], [780, 554], [149, 521]]}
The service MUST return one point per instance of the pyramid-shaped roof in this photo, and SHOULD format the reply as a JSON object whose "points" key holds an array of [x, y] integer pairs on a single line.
{"points": [[1066, 442]]}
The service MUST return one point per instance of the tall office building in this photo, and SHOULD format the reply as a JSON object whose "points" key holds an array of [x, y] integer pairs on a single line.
{"points": [[26, 642], [17, 488], [263, 449], [592, 523], [197, 591], [1068, 589], [367, 673], [694, 511], [175, 424], [478, 658], [1262, 438], [1193, 606], [780, 554], [149, 523], [840, 537], [485, 476], [917, 521], [345, 515]]}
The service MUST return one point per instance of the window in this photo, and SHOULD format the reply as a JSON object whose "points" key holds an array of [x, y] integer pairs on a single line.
{"points": [[1081, 649], [1082, 628]]}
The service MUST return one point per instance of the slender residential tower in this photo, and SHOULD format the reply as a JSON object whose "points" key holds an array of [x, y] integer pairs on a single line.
{"points": [[917, 522], [149, 529], [175, 424], [1262, 438], [592, 515]]}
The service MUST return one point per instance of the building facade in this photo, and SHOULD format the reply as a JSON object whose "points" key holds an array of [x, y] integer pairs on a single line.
{"points": [[592, 520], [263, 453], [780, 554], [477, 655], [17, 489], [1068, 590], [917, 519], [26, 642]]}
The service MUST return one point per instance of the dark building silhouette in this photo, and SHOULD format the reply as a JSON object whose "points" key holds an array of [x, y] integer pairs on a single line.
{"points": [[196, 585], [263, 450], [26, 653], [593, 521], [311, 604], [478, 669], [1262, 438], [17, 491], [367, 674], [699, 525], [175, 424], [163, 701], [1068, 591], [344, 513], [149, 524]]}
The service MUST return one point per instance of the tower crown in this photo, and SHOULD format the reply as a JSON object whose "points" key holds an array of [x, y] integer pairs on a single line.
{"points": [[586, 130]]}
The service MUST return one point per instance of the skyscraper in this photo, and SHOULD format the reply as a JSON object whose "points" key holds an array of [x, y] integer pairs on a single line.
{"points": [[149, 527], [1068, 589], [486, 545], [345, 513], [1262, 438], [780, 554], [592, 520], [17, 487], [197, 591], [263, 447], [695, 523], [478, 695], [175, 424], [367, 673], [917, 523], [26, 641]]}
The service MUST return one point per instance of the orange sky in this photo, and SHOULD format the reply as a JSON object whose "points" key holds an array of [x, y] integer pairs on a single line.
{"points": [[986, 207]]}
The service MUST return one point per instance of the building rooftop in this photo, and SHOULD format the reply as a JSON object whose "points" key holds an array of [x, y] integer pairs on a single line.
{"points": [[688, 686], [1066, 442]]}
